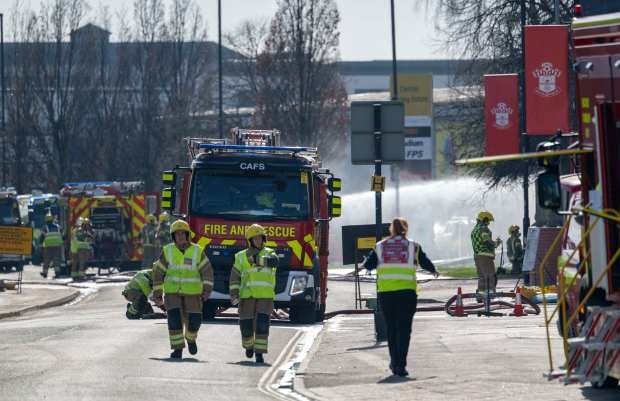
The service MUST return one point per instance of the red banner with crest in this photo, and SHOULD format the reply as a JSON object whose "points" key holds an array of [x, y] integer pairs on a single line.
{"points": [[546, 79], [501, 114]]}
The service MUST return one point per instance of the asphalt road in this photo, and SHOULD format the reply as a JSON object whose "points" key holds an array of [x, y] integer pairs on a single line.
{"points": [[89, 351]]}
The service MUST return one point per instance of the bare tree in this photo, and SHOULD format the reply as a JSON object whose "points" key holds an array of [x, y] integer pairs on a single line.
{"points": [[290, 71], [486, 33]]}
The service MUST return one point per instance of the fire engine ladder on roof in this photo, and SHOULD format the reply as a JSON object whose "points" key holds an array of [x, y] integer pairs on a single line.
{"points": [[193, 144], [591, 355]]}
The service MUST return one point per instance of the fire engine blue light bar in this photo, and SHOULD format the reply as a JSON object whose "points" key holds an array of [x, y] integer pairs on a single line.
{"points": [[244, 147]]}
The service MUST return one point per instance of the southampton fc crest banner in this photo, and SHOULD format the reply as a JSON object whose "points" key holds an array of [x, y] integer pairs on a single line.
{"points": [[501, 114], [546, 79]]}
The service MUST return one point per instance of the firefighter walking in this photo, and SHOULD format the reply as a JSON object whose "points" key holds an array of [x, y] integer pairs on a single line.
{"points": [[514, 249], [81, 239], [137, 292], [252, 288], [396, 259], [162, 234], [51, 240], [484, 252], [148, 238], [184, 275]]}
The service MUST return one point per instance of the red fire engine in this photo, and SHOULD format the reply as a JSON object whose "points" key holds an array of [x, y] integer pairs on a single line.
{"points": [[253, 179]]}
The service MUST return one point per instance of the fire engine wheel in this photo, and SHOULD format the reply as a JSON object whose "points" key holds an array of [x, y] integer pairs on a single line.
{"points": [[303, 314], [608, 382], [320, 313], [208, 311]]}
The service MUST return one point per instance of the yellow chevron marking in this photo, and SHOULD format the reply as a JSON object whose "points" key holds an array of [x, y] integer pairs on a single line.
{"points": [[307, 261], [271, 244], [203, 242], [295, 247], [229, 242]]}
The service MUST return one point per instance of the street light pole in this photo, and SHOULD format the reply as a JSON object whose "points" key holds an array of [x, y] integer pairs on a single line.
{"points": [[2, 117], [220, 119], [395, 167], [522, 127]]}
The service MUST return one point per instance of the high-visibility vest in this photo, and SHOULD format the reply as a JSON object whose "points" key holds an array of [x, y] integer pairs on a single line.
{"points": [[78, 241], [256, 281], [182, 274], [141, 282], [398, 259], [51, 236]]}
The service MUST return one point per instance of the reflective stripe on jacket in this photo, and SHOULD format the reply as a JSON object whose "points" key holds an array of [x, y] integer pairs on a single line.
{"points": [[78, 241], [141, 282], [256, 281], [182, 273], [481, 240], [397, 262], [51, 236]]}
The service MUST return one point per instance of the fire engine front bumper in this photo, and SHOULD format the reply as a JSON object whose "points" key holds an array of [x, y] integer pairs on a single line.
{"points": [[292, 288]]}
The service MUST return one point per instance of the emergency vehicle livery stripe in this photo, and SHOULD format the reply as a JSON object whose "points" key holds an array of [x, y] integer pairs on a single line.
{"points": [[229, 242], [296, 248], [203, 242]]}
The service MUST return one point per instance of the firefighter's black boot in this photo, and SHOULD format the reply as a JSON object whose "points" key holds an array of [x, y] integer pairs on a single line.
{"points": [[192, 347], [249, 353], [177, 354], [259, 358]]}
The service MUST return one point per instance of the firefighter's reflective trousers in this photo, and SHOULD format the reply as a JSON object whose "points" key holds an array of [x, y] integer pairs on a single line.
{"points": [[184, 314], [254, 315]]}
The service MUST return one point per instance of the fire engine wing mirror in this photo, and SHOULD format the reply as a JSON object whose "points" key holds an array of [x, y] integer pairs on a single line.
{"points": [[169, 178], [335, 206], [334, 184], [549, 190], [168, 198]]}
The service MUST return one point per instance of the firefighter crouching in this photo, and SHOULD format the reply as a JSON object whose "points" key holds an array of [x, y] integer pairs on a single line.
{"points": [[396, 259], [252, 287], [137, 292], [185, 275], [81, 239], [514, 249], [484, 252], [148, 238], [51, 240]]}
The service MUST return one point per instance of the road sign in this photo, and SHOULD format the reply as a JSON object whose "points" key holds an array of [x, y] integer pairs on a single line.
{"points": [[363, 129], [357, 240], [16, 240]]}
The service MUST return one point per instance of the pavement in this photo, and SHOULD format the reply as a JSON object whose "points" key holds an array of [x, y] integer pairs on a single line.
{"points": [[500, 358], [34, 297], [87, 350]]}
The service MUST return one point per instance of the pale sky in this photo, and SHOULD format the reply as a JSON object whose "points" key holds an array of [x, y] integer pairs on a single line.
{"points": [[364, 27]]}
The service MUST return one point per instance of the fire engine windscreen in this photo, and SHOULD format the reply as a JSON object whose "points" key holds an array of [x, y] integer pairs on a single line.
{"points": [[9, 212], [261, 196]]}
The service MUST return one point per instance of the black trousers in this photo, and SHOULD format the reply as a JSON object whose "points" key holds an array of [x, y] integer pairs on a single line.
{"points": [[398, 307]]}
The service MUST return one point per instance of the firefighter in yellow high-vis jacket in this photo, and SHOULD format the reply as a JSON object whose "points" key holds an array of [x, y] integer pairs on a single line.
{"points": [[184, 275], [252, 287]]}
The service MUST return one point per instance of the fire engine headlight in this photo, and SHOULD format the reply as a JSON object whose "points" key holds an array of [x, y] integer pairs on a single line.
{"points": [[299, 285]]}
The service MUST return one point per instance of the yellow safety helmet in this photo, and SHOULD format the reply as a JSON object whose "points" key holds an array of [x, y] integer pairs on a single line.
{"points": [[513, 229], [181, 225], [254, 230], [151, 218], [164, 217], [485, 215], [49, 218]]}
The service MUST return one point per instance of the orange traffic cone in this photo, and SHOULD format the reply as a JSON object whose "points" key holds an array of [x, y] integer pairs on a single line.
{"points": [[459, 310], [518, 310]]}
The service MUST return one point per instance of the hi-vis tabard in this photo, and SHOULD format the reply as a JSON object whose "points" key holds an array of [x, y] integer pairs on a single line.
{"points": [[398, 259], [51, 236], [256, 281], [183, 275]]}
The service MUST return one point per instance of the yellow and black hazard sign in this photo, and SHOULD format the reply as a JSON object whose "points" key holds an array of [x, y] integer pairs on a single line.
{"points": [[377, 183], [16, 240]]}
